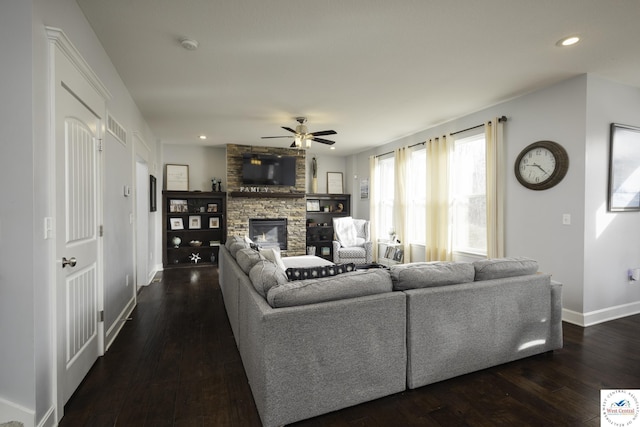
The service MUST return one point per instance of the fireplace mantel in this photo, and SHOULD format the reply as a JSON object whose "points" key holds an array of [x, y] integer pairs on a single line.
{"points": [[257, 194]]}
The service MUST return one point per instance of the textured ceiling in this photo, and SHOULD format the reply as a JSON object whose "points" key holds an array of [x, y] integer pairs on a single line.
{"points": [[373, 70]]}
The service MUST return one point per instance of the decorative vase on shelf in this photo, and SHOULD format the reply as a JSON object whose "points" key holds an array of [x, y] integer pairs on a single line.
{"points": [[176, 241]]}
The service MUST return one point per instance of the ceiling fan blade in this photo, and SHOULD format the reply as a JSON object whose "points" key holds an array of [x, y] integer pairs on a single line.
{"points": [[269, 137], [324, 132], [289, 129], [323, 141]]}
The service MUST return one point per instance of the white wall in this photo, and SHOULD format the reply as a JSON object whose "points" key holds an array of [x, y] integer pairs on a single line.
{"points": [[26, 259], [611, 239], [18, 271], [326, 163], [204, 163], [591, 256]]}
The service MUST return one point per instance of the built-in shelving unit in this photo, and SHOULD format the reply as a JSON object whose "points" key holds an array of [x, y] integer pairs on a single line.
{"points": [[321, 209], [194, 227]]}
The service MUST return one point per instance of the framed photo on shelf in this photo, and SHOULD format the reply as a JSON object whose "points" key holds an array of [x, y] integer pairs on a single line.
{"points": [[325, 250], [177, 177], [214, 222], [334, 183], [176, 223], [212, 207], [178, 206], [313, 205], [194, 221]]}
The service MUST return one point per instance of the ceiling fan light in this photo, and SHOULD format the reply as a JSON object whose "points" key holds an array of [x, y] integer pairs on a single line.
{"points": [[298, 141], [308, 143]]}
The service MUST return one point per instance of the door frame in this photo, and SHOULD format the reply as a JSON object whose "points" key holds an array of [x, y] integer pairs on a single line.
{"points": [[65, 63]]}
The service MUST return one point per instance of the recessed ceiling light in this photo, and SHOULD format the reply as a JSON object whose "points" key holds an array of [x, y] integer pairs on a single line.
{"points": [[203, 136], [332, 148], [568, 41]]}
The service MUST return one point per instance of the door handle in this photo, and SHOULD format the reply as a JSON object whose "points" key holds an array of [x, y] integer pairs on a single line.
{"points": [[71, 262]]}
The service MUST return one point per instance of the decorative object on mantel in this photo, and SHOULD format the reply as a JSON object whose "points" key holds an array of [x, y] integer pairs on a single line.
{"points": [[314, 175], [195, 258]]}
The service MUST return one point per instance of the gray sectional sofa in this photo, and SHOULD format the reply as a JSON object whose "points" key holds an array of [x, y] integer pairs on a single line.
{"points": [[321, 344]]}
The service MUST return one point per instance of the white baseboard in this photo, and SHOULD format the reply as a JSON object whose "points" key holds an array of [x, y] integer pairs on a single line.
{"points": [[49, 420], [10, 411], [114, 329], [600, 316]]}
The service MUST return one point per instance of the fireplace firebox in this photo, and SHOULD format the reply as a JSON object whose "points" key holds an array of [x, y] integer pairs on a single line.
{"points": [[269, 232]]}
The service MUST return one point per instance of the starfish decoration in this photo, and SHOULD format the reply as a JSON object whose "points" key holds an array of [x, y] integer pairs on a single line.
{"points": [[195, 258]]}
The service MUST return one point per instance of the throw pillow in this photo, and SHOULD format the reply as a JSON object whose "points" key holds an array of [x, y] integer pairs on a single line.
{"points": [[318, 272], [273, 255], [265, 275], [345, 231]]}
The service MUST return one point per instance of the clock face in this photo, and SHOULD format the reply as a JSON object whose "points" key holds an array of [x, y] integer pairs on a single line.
{"points": [[541, 165], [537, 165]]}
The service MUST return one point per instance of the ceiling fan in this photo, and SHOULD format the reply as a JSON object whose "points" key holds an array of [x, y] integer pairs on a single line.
{"points": [[302, 138]]}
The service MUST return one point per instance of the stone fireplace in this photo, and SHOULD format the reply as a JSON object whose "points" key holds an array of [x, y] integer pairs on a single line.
{"points": [[269, 232], [279, 202]]}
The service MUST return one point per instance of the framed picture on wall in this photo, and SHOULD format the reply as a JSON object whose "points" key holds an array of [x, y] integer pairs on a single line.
{"points": [[177, 177], [153, 206], [624, 163], [334, 183]]}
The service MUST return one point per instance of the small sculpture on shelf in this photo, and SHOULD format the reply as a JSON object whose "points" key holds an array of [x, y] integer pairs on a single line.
{"points": [[216, 184], [195, 258], [176, 241]]}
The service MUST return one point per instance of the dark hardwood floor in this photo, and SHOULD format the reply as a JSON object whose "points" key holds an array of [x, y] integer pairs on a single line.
{"points": [[176, 364]]}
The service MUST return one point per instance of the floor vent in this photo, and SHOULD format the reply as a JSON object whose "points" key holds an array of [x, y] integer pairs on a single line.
{"points": [[116, 129]]}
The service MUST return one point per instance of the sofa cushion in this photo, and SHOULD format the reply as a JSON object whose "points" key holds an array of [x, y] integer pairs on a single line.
{"points": [[504, 267], [231, 240], [235, 247], [428, 274], [247, 258], [318, 271], [350, 285], [273, 255], [265, 275]]}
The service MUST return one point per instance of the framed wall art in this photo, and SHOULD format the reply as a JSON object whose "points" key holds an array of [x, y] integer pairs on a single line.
{"points": [[214, 222], [176, 224], [153, 205], [177, 177], [624, 168], [334, 183]]}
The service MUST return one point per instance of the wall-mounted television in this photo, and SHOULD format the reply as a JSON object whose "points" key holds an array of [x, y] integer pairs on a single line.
{"points": [[268, 169]]}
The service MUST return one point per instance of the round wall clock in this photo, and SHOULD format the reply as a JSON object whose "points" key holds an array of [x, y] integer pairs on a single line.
{"points": [[541, 165]]}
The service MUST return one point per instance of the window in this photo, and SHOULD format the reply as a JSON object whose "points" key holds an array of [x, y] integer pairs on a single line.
{"points": [[468, 191], [385, 194], [416, 196]]}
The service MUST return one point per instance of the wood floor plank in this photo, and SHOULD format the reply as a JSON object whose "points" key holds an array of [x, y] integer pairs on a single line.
{"points": [[175, 363]]}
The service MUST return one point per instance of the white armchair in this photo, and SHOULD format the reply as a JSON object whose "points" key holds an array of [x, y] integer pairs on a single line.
{"points": [[353, 242]]}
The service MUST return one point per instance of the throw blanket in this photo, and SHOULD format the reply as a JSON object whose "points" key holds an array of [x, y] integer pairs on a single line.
{"points": [[345, 231]]}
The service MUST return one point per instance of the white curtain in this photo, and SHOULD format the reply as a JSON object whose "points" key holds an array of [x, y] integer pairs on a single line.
{"points": [[495, 188], [438, 226], [373, 204], [400, 214]]}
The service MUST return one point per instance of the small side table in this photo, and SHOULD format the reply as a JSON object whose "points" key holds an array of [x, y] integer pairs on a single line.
{"points": [[390, 253]]}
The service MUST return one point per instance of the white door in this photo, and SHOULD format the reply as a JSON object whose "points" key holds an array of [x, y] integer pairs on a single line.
{"points": [[77, 246]]}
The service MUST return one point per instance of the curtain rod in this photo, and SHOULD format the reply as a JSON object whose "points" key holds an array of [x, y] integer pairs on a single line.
{"points": [[500, 119]]}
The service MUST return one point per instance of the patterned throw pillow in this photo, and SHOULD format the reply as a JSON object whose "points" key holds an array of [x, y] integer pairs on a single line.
{"points": [[318, 272]]}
